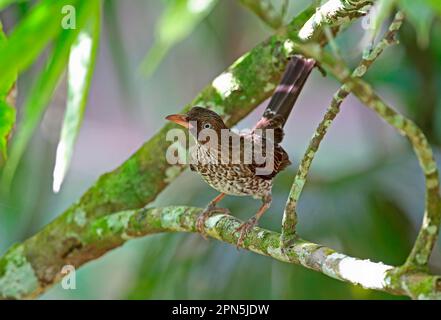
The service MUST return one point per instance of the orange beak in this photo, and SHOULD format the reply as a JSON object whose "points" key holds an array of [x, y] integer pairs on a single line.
{"points": [[180, 119]]}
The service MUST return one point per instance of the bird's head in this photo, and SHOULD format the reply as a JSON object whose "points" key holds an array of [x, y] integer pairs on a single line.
{"points": [[198, 119]]}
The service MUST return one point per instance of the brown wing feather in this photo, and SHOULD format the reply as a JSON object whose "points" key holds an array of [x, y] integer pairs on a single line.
{"points": [[278, 157], [280, 162]]}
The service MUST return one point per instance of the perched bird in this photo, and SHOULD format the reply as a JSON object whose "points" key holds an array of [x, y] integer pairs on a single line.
{"points": [[228, 161]]}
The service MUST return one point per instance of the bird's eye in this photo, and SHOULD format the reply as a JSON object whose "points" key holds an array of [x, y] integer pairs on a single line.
{"points": [[207, 126]]}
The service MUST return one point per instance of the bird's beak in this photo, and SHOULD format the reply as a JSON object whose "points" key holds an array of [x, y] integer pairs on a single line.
{"points": [[180, 119]]}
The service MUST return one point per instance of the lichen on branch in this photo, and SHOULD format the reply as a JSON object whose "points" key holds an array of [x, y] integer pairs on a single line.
{"points": [[108, 214], [419, 257], [18, 278], [333, 13], [290, 215], [147, 172]]}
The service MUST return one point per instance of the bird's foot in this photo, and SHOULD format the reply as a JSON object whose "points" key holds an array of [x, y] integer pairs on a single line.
{"points": [[207, 213], [244, 228]]}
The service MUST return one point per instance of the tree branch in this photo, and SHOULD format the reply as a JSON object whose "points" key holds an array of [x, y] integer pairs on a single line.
{"points": [[137, 182], [333, 13], [90, 228], [428, 234], [289, 221], [19, 277]]}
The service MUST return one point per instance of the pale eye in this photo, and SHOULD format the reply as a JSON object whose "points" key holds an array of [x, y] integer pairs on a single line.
{"points": [[207, 126]]}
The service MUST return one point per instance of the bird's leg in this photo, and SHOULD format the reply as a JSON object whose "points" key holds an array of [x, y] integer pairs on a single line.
{"points": [[245, 227], [208, 211]]}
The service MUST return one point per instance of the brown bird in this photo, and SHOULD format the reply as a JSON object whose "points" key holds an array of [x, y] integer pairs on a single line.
{"points": [[244, 164]]}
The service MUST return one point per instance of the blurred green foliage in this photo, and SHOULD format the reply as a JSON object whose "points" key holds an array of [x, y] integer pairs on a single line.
{"points": [[7, 119], [7, 112], [372, 211], [421, 15], [177, 21], [44, 87]]}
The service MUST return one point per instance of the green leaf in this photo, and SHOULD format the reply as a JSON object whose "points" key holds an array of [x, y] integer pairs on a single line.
{"points": [[177, 22], [421, 16], [2, 35], [42, 91], [9, 81], [7, 120], [7, 112], [80, 70], [30, 38]]}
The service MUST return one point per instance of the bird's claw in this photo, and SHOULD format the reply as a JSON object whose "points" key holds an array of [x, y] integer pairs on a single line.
{"points": [[207, 213], [244, 228]]}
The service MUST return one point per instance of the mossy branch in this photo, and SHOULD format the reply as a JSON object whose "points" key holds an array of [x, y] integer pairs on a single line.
{"points": [[19, 278], [90, 227], [138, 181], [419, 257], [331, 14], [290, 215]]}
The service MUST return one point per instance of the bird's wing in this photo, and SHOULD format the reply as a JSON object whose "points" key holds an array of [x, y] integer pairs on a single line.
{"points": [[268, 159]]}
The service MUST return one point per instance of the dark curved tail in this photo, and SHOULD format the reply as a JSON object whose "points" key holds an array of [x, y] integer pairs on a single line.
{"points": [[289, 88]]}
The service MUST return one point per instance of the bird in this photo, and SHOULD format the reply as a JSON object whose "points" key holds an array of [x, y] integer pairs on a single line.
{"points": [[234, 167]]}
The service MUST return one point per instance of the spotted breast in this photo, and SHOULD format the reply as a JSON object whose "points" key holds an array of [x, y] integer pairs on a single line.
{"points": [[229, 178]]}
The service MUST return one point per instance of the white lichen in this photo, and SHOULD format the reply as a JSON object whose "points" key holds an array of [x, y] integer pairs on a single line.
{"points": [[226, 84], [211, 222], [288, 47], [197, 6], [261, 234], [363, 272], [328, 266], [19, 278], [303, 252], [119, 221], [170, 218], [79, 217], [276, 252], [360, 71]]}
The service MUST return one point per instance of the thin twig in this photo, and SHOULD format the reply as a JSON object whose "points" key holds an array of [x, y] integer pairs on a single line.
{"points": [[290, 215], [88, 229], [428, 234]]}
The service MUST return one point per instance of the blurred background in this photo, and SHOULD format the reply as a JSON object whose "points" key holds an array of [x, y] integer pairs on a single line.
{"points": [[365, 195]]}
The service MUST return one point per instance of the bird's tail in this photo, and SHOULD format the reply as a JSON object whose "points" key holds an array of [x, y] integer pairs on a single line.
{"points": [[285, 96], [289, 88]]}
